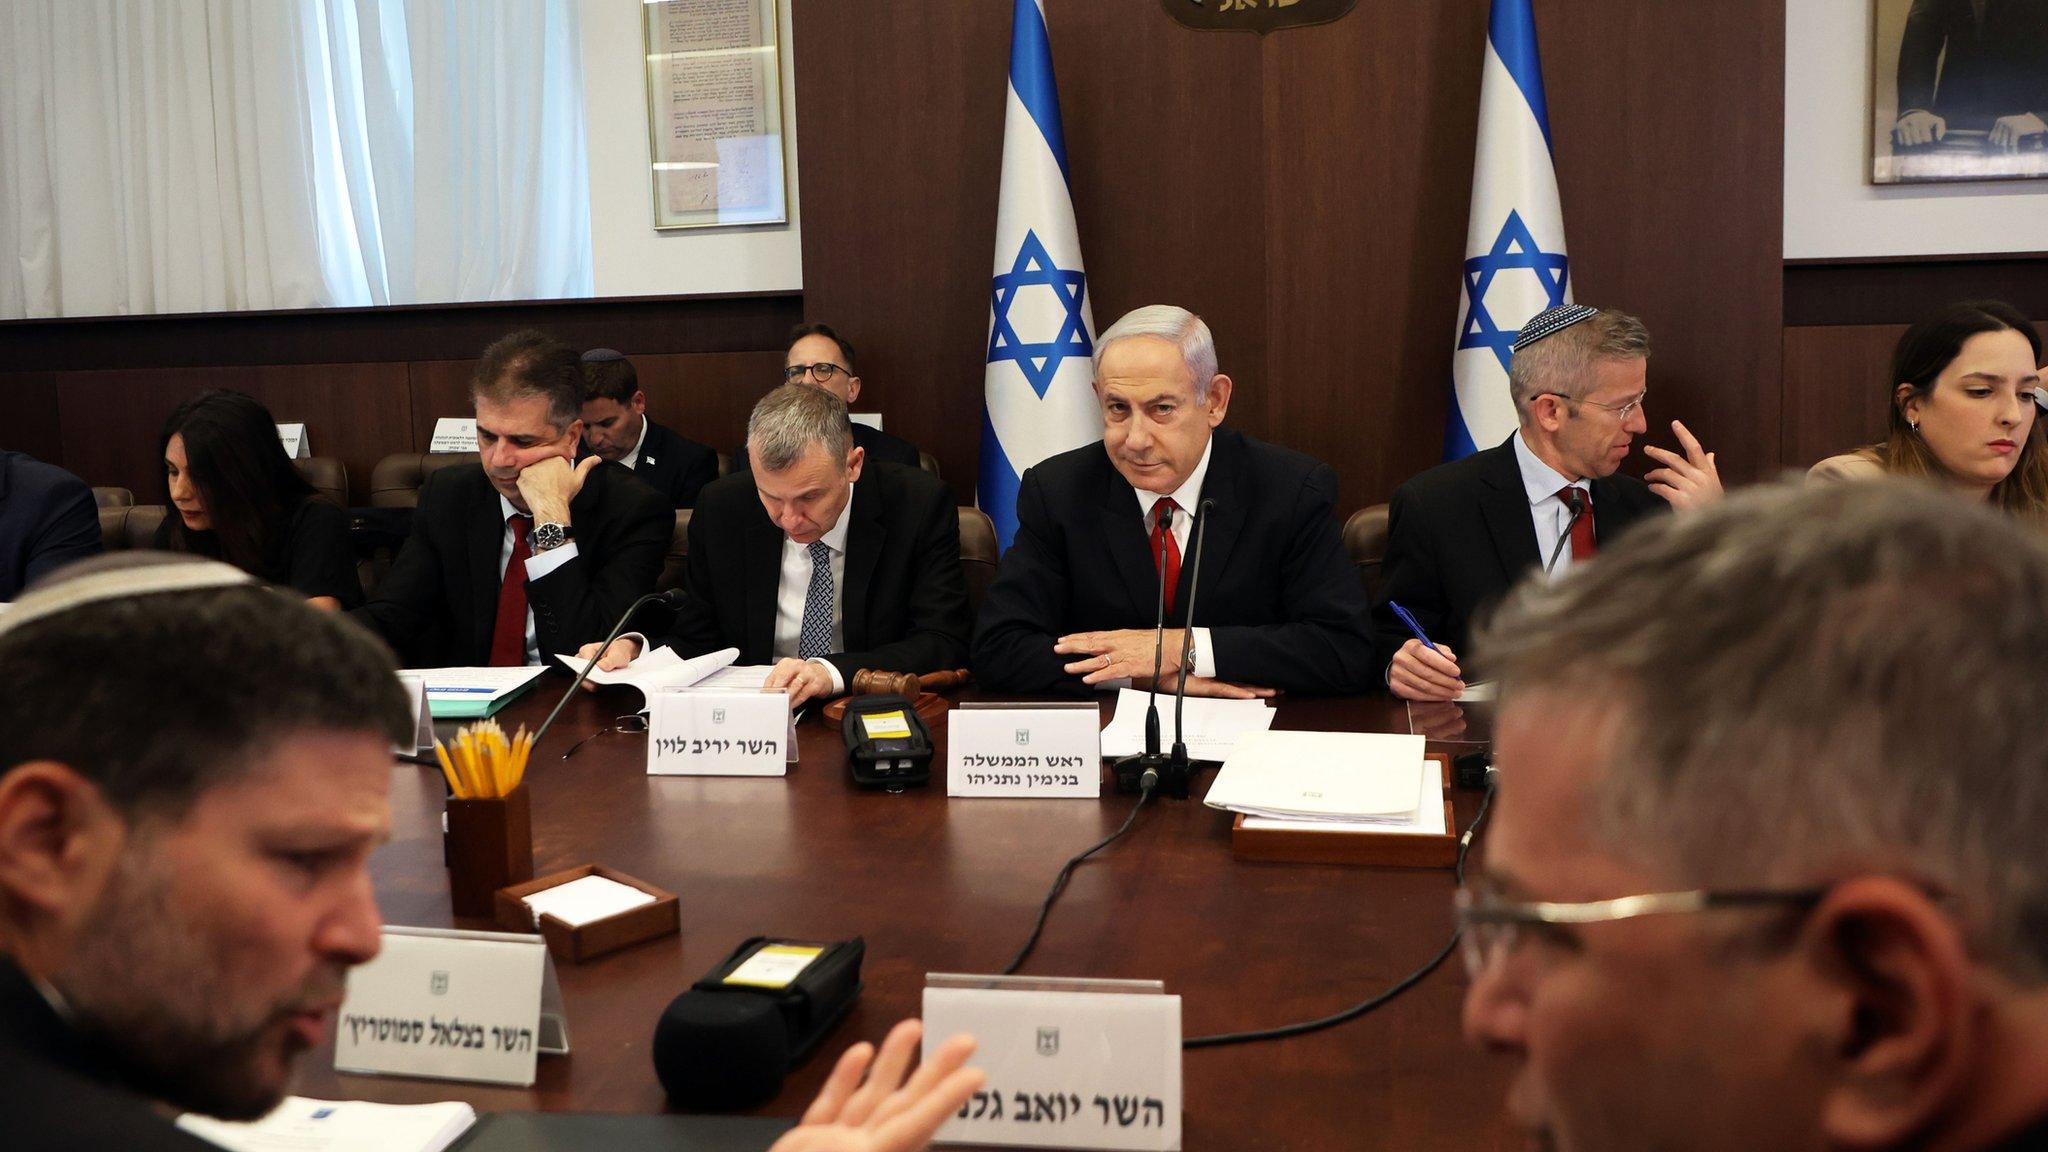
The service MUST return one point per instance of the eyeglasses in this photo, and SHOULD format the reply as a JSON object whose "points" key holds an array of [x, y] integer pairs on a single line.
{"points": [[823, 370], [1489, 927], [631, 725], [1623, 410]]}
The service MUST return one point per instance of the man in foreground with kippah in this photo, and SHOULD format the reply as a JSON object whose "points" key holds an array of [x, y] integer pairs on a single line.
{"points": [[185, 835], [1460, 534], [1766, 869]]}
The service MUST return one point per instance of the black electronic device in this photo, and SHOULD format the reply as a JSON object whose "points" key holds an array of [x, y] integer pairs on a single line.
{"points": [[726, 1043], [1471, 769], [887, 743]]}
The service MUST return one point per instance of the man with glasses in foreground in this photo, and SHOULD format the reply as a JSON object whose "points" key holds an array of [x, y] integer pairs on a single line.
{"points": [[1461, 534], [822, 358], [1766, 869]]}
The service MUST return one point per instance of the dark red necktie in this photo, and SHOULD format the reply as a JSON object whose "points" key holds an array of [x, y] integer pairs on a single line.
{"points": [[508, 634], [1166, 549], [1583, 544]]}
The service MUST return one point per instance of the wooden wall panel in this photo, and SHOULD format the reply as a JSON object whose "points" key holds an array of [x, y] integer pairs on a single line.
{"points": [[1836, 397], [1307, 193], [111, 419], [28, 415]]}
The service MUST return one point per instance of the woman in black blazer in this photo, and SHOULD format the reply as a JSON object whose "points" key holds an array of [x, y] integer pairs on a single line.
{"points": [[235, 496]]}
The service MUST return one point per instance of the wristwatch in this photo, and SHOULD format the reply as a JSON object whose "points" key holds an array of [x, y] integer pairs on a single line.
{"points": [[549, 536]]}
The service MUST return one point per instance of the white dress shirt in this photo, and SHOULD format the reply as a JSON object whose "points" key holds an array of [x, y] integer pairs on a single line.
{"points": [[1551, 516], [633, 457], [537, 565], [795, 586], [1189, 497]]}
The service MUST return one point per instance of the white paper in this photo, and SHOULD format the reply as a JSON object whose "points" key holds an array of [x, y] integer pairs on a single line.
{"points": [[1210, 727], [737, 678], [303, 1125], [486, 683], [659, 668], [453, 434], [1481, 692], [1348, 775], [1426, 820], [586, 900]]}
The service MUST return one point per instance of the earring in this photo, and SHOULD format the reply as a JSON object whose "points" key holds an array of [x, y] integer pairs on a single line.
{"points": [[1913, 424]]}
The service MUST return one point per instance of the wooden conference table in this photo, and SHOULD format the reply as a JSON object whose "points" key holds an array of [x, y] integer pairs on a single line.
{"points": [[939, 885]]}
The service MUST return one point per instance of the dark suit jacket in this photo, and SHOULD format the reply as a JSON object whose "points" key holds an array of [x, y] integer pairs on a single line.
{"points": [[882, 448], [905, 597], [1284, 606], [47, 519], [1986, 70], [438, 604], [61, 1094], [675, 466], [1460, 535]]}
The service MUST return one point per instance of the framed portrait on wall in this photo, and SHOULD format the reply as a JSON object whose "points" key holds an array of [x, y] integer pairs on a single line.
{"points": [[1958, 90], [714, 113]]}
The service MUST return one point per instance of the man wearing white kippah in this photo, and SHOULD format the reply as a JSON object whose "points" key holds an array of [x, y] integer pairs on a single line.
{"points": [[1461, 534]]}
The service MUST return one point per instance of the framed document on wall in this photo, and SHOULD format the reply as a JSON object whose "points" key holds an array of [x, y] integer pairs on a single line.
{"points": [[714, 113], [1958, 90]]}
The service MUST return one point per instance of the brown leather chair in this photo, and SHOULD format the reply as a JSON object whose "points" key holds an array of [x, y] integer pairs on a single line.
{"points": [[131, 527], [395, 481], [929, 463], [978, 554], [1365, 539], [328, 476], [673, 571], [724, 464], [113, 498]]}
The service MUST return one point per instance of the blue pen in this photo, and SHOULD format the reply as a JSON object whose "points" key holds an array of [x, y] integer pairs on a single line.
{"points": [[1413, 626]]}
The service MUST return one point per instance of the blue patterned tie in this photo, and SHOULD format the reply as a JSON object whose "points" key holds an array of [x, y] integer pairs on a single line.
{"points": [[815, 639]]}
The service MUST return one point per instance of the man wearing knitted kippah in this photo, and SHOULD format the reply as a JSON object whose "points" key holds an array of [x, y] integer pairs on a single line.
{"points": [[1459, 535]]}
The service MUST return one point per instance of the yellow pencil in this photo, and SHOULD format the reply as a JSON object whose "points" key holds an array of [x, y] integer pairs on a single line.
{"points": [[448, 769]]}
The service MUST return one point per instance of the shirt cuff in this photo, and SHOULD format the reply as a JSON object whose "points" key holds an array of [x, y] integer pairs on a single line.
{"points": [[1205, 654], [541, 563], [838, 685]]}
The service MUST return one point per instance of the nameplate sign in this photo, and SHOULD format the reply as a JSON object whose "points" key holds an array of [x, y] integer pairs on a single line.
{"points": [[1024, 750], [296, 444], [423, 725], [871, 419], [711, 733], [453, 434], [1070, 1063], [452, 1005]]}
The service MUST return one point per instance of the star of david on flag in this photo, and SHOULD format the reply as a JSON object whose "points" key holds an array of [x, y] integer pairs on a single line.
{"points": [[1038, 384], [1515, 260]]}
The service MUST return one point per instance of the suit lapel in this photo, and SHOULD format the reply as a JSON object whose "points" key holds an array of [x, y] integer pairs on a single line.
{"points": [[1121, 528], [1505, 508], [762, 578], [486, 542], [1222, 484], [866, 536]]}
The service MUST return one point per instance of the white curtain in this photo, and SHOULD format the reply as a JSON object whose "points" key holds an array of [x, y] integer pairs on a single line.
{"points": [[209, 155]]}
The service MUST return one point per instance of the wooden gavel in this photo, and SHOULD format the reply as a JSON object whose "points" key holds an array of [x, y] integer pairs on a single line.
{"points": [[908, 685]]}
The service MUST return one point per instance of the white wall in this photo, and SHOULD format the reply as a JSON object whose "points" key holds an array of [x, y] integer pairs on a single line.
{"points": [[630, 257], [1831, 208]]}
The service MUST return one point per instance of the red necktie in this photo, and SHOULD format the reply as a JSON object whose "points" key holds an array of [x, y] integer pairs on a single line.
{"points": [[1584, 546], [508, 635], [1166, 549]]}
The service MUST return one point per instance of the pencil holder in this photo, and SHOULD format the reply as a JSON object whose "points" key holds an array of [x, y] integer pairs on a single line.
{"points": [[490, 845]]}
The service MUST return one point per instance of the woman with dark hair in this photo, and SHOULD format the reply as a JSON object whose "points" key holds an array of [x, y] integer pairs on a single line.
{"points": [[235, 496], [1963, 410]]}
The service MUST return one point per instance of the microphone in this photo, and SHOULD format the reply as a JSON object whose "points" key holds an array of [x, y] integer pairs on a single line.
{"points": [[1179, 771], [670, 598], [1576, 501], [1140, 772]]}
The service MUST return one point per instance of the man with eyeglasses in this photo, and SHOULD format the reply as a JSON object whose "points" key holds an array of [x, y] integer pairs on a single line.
{"points": [[1765, 868], [822, 358], [1461, 534]]}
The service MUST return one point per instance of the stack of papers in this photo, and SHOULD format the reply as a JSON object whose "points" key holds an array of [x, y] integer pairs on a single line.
{"points": [[1209, 726], [465, 692], [1332, 781], [302, 1125], [586, 901], [659, 668]]}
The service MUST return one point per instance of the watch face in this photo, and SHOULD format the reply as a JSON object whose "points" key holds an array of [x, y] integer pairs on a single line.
{"points": [[546, 536]]}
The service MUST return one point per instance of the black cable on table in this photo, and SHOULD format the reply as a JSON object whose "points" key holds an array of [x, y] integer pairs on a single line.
{"points": [[1060, 882], [1285, 1031]]}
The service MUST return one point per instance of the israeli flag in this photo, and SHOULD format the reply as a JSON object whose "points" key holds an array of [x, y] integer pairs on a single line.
{"points": [[1515, 264], [1039, 383]]}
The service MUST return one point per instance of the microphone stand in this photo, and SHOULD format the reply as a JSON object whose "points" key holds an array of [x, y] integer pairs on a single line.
{"points": [[1139, 772], [1179, 770], [1577, 502], [670, 597]]}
